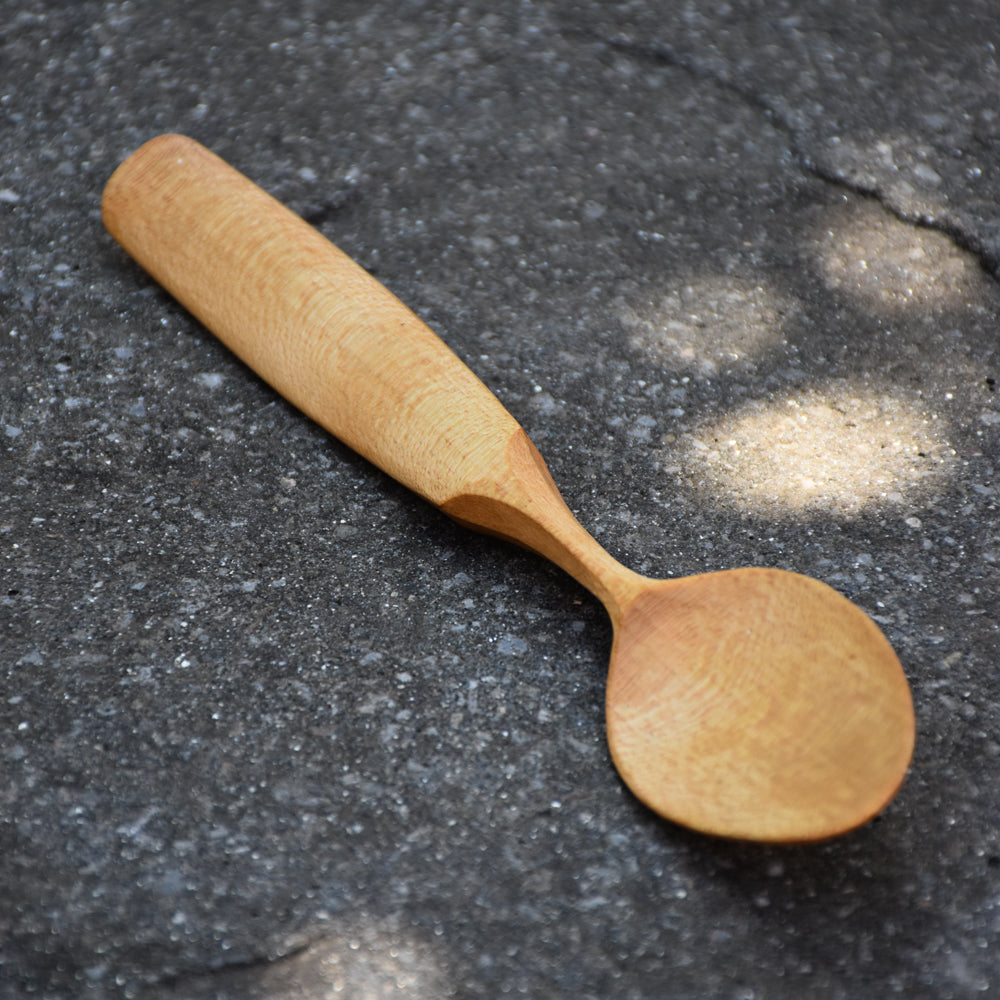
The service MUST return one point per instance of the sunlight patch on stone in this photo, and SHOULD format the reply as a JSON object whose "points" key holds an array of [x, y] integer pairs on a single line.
{"points": [[837, 449], [711, 323], [892, 267], [367, 965], [365, 962]]}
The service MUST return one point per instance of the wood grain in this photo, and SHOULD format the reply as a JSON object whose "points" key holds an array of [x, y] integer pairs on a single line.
{"points": [[336, 343]]}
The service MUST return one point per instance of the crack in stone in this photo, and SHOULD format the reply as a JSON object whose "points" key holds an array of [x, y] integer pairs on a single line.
{"points": [[964, 238], [664, 54], [197, 981]]}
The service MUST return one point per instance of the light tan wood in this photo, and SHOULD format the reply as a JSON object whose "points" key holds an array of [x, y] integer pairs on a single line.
{"points": [[780, 702], [752, 703]]}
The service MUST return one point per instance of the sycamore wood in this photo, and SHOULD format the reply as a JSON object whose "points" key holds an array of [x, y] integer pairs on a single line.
{"points": [[751, 703]]}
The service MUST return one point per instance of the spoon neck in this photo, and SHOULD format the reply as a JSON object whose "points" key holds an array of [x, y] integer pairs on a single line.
{"points": [[521, 503]]}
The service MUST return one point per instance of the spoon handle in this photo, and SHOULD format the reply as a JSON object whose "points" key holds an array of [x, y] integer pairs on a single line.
{"points": [[336, 343]]}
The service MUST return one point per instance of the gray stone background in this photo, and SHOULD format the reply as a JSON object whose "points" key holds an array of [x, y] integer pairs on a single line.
{"points": [[272, 727]]}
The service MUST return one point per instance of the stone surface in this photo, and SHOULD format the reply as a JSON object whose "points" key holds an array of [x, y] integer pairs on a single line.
{"points": [[271, 727]]}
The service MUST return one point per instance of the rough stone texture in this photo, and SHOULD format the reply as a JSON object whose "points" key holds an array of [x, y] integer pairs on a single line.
{"points": [[897, 101], [271, 727]]}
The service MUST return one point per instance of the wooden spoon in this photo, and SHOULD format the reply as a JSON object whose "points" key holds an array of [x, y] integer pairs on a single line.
{"points": [[751, 703]]}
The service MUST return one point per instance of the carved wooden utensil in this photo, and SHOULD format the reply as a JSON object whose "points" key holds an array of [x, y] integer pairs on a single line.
{"points": [[751, 703]]}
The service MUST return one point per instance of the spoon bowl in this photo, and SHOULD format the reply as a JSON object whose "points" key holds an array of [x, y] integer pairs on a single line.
{"points": [[751, 703], [756, 703]]}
